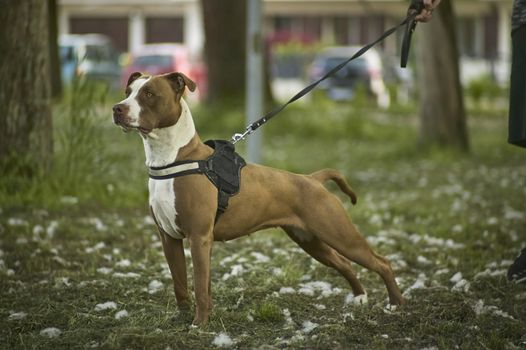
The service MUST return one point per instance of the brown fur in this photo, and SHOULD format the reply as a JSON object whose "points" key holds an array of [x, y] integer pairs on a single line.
{"points": [[268, 197]]}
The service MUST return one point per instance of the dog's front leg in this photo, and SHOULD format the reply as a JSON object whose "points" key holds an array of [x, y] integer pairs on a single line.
{"points": [[201, 250], [174, 253]]}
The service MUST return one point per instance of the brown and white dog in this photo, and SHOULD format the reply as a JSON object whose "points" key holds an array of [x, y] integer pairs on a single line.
{"points": [[185, 207]]}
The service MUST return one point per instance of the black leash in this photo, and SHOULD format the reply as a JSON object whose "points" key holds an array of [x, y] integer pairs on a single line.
{"points": [[410, 23], [415, 8]]}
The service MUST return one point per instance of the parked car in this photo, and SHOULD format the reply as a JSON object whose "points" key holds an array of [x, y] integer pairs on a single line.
{"points": [[163, 58], [89, 56], [365, 71]]}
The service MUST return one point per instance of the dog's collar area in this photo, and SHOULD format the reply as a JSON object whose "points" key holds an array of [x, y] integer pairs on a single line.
{"points": [[178, 168]]}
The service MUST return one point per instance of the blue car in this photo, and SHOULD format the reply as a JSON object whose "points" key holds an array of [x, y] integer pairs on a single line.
{"points": [[89, 56]]}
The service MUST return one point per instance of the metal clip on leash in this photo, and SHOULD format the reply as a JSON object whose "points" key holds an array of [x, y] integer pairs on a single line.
{"points": [[238, 137], [414, 9]]}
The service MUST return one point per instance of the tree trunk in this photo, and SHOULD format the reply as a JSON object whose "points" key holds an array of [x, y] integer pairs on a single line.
{"points": [[225, 43], [54, 59], [25, 112], [442, 114]]}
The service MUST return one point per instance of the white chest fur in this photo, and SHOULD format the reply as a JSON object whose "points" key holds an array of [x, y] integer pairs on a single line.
{"points": [[162, 202]]}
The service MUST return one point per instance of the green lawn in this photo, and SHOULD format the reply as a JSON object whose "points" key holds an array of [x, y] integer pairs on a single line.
{"points": [[78, 247]]}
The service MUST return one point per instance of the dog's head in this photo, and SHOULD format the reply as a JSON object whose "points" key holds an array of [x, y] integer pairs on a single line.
{"points": [[151, 102]]}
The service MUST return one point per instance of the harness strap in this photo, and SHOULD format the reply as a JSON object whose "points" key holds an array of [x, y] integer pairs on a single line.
{"points": [[222, 168], [176, 169]]}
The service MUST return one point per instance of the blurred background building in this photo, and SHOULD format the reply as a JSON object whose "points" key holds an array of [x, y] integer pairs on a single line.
{"points": [[483, 26]]}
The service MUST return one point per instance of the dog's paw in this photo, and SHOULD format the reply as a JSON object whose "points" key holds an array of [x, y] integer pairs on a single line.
{"points": [[182, 316]]}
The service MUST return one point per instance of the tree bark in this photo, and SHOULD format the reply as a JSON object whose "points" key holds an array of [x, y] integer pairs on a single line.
{"points": [[54, 59], [225, 47], [25, 111], [442, 113]]}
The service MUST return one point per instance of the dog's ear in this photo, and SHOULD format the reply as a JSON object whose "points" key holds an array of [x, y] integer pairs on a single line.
{"points": [[179, 81], [133, 77]]}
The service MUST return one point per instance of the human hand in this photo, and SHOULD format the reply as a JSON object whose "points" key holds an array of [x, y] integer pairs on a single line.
{"points": [[427, 12]]}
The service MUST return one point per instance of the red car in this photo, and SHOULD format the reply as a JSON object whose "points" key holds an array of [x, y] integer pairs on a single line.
{"points": [[156, 59]]}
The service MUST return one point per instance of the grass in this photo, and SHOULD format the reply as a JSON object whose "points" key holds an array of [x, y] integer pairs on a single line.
{"points": [[67, 246]]}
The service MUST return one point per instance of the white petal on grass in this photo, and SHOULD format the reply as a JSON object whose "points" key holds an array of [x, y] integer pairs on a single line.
{"points": [[98, 223], [308, 327], [277, 271], [123, 263], [155, 286], [59, 260], [105, 270], [17, 222], [260, 258], [325, 289], [457, 228], [121, 314], [59, 281], [305, 278], [21, 240], [286, 314], [50, 332], [51, 229], [351, 299], [99, 245], [109, 305], [423, 260], [479, 308], [492, 221], [442, 271], [69, 200], [236, 270], [491, 273], [287, 290], [306, 291], [461, 286], [512, 214], [456, 277], [419, 283], [148, 220], [126, 275], [222, 340], [17, 316]]}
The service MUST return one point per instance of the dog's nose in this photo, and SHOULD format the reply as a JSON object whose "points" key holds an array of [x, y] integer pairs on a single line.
{"points": [[117, 109]]}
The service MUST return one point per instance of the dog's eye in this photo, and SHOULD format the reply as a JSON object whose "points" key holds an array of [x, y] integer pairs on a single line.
{"points": [[149, 94]]}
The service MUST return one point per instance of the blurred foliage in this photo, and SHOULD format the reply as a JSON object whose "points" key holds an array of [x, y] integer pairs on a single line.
{"points": [[81, 166], [484, 91]]}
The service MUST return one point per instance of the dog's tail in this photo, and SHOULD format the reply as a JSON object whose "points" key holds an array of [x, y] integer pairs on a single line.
{"points": [[334, 175]]}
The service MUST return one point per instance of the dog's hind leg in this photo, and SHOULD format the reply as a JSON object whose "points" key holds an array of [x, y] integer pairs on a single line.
{"points": [[347, 240], [327, 256], [332, 226]]}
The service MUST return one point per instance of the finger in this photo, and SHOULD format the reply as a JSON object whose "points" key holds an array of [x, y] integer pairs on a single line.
{"points": [[428, 4], [424, 16]]}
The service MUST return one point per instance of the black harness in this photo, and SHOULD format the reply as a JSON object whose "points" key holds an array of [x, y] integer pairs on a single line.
{"points": [[223, 169]]}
